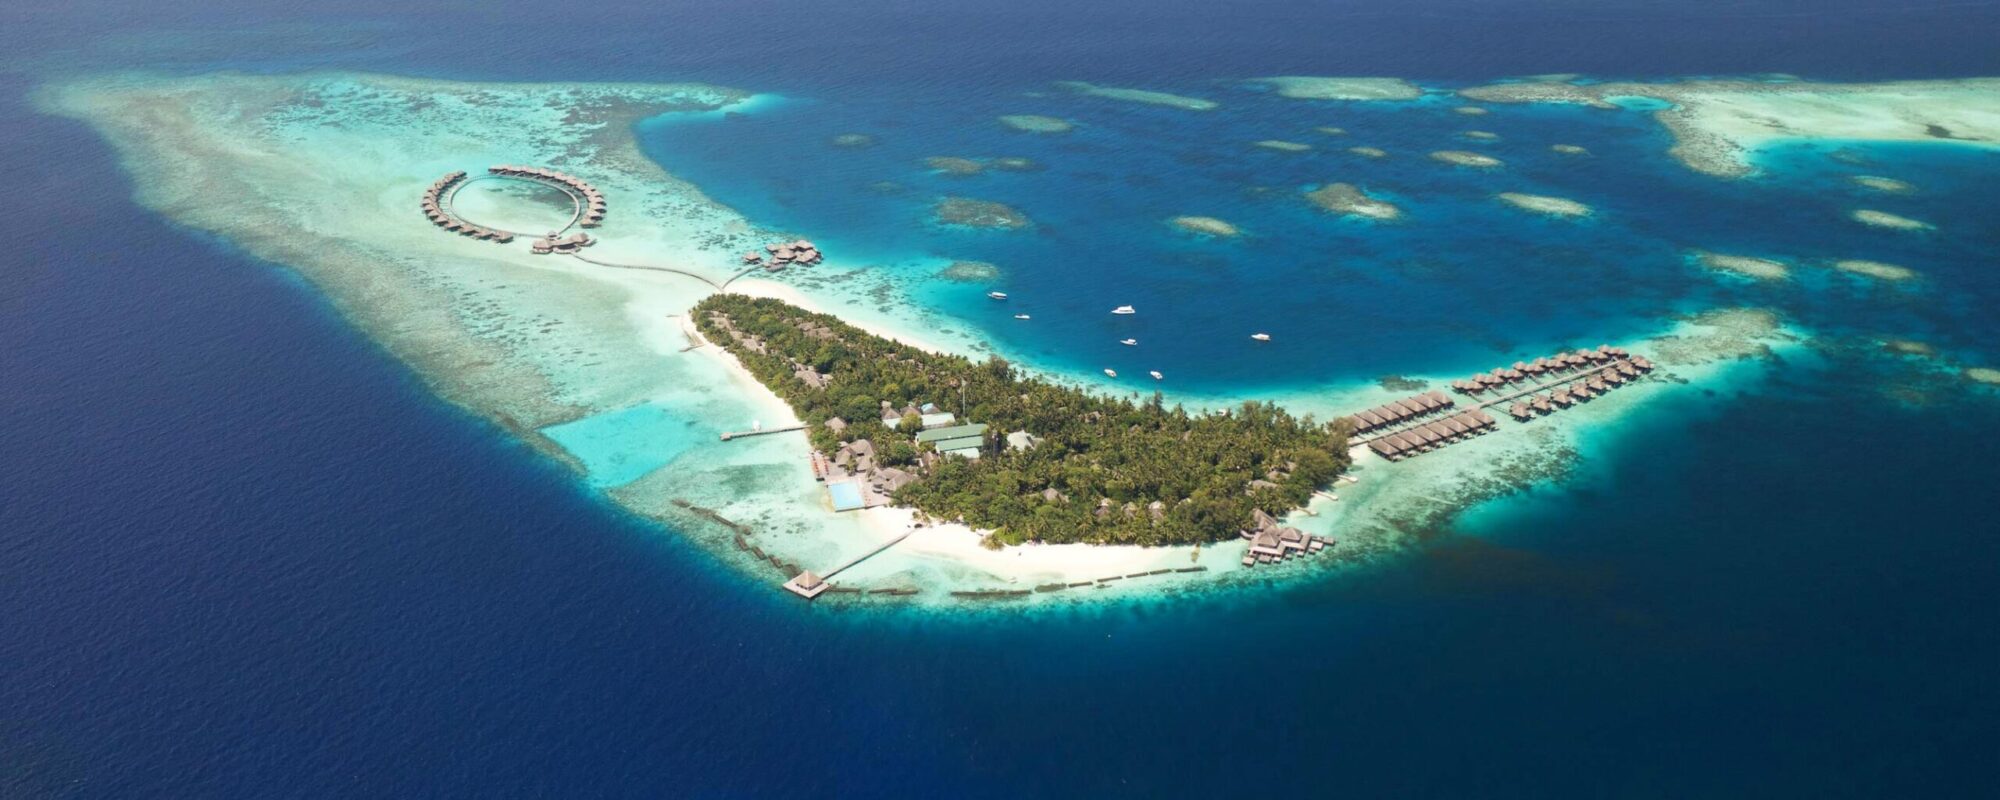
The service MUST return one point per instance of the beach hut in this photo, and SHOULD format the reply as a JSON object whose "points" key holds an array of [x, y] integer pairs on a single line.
{"points": [[1520, 411]]}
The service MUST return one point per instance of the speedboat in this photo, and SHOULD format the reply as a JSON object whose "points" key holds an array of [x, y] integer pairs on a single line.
{"points": [[997, 295], [1156, 375], [1111, 372], [1123, 310], [1129, 342], [1020, 316], [1262, 337]]}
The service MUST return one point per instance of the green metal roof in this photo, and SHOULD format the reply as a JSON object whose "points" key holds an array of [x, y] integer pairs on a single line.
{"points": [[953, 432], [960, 443]]}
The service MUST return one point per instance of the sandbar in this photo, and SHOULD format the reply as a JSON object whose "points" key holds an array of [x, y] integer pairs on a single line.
{"points": [[1884, 219], [1304, 87], [1207, 226], [1466, 159], [1346, 198], [970, 213], [1759, 268], [1717, 124], [1986, 375], [1544, 204], [1470, 111], [1140, 96], [1483, 136], [1283, 146], [1875, 269], [1036, 123]]}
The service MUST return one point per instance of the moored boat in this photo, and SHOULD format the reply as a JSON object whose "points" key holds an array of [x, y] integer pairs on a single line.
{"points": [[1262, 337], [1020, 316], [1123, 310], [1111, 372], [1129, 342], [1156, 375], [997, 295]]}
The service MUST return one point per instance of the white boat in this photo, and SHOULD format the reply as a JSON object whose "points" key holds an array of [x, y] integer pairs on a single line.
{"points": [[1123, 310], [1129, 342], [1262, 337], [1111, 372], [1156, 375], [997, 295], [1020, 316]]}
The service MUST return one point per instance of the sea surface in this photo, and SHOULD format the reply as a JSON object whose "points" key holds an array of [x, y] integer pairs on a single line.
{"points": [[245, 553]]}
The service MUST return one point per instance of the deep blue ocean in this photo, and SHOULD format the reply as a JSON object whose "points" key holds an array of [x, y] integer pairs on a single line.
{"points": [[245, 553]]}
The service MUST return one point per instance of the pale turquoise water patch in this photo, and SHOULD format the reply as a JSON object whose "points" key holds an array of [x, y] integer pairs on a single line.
{"points": [[618, 447], [1636, 103]]}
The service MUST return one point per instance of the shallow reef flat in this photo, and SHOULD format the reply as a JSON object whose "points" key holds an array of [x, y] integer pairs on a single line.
{"points": [[1884, 185], [1369, 152], [1346, 198], [1206, 226], [1037, 123], [1140, 96], [1544, 204], [1306, 87], [1985, 375], [1570, 149], [1464, 158], [1283, 146], [1874, 269], [1884, 219], [954, 165], [970, 272], [969, 212], [1762, 269], [1717, 124]]}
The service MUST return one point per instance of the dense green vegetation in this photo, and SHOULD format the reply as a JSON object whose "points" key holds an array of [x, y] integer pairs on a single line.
{"points": [[1206, 472]]}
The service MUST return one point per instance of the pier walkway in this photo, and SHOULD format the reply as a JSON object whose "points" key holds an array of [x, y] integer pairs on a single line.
{"points": [[697, 276], [809, 585], [728, 435]]}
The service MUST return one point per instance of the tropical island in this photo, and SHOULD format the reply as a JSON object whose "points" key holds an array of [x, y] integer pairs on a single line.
{"points": [[1035, 460]]}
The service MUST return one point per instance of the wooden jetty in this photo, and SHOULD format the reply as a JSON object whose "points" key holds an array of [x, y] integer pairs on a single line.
{"points": [[809, 585], [728, 435]]}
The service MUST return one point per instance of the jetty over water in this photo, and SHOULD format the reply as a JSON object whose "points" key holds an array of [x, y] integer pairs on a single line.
{"points": [[809, 585]]}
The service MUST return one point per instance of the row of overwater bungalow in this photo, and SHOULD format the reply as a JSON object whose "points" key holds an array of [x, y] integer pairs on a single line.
{"points": [[433, 207], [1391, 414], [593, 200], [1541, 369], [1428, 436], [1584, 389]]}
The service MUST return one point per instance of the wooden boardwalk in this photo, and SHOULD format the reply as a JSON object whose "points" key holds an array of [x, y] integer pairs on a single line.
{"points": [[728, 435], [808, 585]]}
